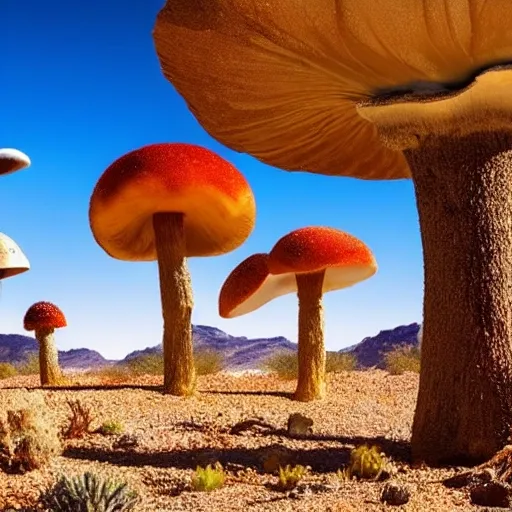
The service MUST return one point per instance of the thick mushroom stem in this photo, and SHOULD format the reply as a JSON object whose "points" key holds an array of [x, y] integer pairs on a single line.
{"points": [[49, 370], [311, 378], [177, 303], [464, 196]]}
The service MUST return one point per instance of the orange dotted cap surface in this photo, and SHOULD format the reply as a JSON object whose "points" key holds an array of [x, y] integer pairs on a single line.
{"points": [[215, 198], [43, 315], [250, 286], [345, 258]]}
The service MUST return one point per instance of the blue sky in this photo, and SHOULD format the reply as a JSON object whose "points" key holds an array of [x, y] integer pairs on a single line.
{"points": [[81, 85]]}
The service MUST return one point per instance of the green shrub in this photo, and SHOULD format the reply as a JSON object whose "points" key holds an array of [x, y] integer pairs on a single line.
{"points": [[365, 463], [31, 365], [29, 438], [111, 428], [88, 493], [146, 364], [336, 362], [208, 362], [7, 370], [286, 364], [402, 359], [209, 478], [290, 476]]}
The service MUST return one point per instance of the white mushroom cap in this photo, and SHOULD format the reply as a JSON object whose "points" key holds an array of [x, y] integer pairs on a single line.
{"points": [[12, 259]]}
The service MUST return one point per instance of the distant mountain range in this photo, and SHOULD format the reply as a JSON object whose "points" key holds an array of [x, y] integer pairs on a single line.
{"points": [[240, 353]]}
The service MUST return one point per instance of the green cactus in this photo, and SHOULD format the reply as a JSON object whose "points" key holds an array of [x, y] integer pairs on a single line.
{"points": [[88, 493], [365, 462]]}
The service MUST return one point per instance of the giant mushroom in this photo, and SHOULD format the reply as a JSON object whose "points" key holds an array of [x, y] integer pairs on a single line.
{"points": [[385, 90], [43, 318], [12, 160], [12, 259], [310, 261], [168, 202]]}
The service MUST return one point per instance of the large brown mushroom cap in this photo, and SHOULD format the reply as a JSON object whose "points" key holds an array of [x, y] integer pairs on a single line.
{"points": [[215, 198], [12, 259], [12, 160], [282, 79], [43, 315]]}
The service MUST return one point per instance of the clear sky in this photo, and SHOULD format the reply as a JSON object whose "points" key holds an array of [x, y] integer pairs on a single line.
{"points": [[81, 86]]}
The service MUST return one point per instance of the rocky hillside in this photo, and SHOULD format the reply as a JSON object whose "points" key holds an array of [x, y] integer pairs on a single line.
{"points": [[15, 348], [370, 352], [240, 352]]}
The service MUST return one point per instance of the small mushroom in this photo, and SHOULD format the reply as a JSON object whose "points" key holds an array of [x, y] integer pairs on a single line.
{"points": [[167, 202], [310, 261], [43, 318], [12, 160], [12, 259]]}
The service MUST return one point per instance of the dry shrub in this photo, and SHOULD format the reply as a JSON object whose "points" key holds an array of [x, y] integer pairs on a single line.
{"points": [[79, 422], [7, 370], [286, 364], [30, 366], [208, 362], [402, 359], [29, 437], [110, 375], [146, 364]]}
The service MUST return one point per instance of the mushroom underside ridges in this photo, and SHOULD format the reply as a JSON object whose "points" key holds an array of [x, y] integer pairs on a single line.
{"points": [[335, 278], [213, 223]]}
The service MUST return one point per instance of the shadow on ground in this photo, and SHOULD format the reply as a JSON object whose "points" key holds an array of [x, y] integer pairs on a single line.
{"points": [[321, 460]]}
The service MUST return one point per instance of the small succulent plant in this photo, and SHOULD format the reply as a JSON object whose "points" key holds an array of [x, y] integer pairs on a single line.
{"points": [[209, 478], [89, 493], [290, 476], [365, 463], [111, 428]]}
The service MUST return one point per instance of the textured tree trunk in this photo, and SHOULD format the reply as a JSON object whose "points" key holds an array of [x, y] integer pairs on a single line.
{"points": [[49, 370], [177, 303], [311, 378], [464, 196]]}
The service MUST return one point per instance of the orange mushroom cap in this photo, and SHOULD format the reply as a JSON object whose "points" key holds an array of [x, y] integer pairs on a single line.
{"points": [[263, 277], [344, 258], [44, 315], [12, 160], [215, 198]]}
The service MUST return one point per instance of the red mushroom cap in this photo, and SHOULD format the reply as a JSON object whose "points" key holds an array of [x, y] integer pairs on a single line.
{"points": [[215, 198], [345, 259], [12, 160], [44, 315], [250, 286]]}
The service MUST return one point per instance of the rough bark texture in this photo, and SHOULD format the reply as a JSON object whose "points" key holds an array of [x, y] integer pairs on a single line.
{"points": [[49, 370], [177, 303], [311, 378], [464, 196]]}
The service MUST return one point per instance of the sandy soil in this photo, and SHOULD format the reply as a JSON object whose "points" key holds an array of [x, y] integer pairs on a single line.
{"points": [[175, 435]]}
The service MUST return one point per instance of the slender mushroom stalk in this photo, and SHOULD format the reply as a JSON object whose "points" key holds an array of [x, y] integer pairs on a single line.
{"points": [[44, 318], [168, 202], [311, 378], [177, 303], [12, 259], [12, 160], [377, 90], [309, 261]]}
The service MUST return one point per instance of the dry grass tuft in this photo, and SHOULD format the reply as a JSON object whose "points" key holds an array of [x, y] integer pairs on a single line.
{"points": [[402, 359], [79, 422]]}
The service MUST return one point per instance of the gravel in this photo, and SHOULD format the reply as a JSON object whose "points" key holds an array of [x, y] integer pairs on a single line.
{"points": [[174, 435]]}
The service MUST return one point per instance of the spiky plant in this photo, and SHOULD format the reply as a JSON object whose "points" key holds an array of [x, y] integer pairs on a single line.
{"points": [[365, 463], [209, 478], [89, 493], [290, 476]]}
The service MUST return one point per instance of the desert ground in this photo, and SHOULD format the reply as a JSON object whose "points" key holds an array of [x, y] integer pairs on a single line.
{"points": [[174, 435]]}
